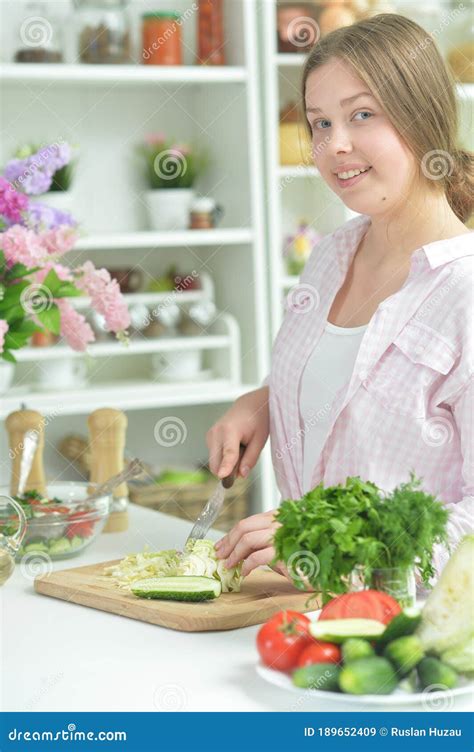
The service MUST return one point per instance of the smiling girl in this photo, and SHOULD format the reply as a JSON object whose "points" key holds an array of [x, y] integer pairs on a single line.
{"points": [[373, 367]]}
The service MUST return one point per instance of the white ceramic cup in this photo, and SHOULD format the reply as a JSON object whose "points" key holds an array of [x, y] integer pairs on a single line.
{"points": [[64, 373]]}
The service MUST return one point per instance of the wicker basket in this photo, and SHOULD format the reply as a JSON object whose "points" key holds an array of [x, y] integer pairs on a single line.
{"points": [[187, 501]]}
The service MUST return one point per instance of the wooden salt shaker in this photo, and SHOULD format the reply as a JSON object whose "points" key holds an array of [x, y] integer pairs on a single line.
{"points": [[107, 430], [17, 424]]}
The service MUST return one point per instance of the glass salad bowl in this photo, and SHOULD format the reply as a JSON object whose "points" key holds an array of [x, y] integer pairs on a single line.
{"points": [[63, 524]]}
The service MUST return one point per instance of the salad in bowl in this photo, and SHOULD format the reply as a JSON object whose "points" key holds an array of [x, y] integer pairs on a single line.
{"points": [[62, 523]]}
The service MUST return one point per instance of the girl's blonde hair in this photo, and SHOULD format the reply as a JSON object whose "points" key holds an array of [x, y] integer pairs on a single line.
{"points": [[401, 65]]}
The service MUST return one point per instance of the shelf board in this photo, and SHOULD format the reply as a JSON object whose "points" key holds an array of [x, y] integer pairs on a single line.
{"points": [[297, 171], [148, 298], [123, 240], [121, 74], [206, 342], [127, 395]]}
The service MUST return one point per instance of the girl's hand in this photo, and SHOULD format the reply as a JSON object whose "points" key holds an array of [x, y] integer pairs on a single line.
{"points": [[246, 422], [250, 540]]}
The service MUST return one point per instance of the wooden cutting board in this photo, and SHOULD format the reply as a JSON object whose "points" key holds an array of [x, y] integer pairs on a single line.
{"points": [[263, 593]]}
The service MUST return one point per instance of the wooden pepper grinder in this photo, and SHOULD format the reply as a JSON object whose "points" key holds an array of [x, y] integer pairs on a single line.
{"points": [[17, 424], [107, 430]]}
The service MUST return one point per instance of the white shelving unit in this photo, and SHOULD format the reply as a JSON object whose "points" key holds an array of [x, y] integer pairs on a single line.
{"points": [[297, 192], [105, 110]]}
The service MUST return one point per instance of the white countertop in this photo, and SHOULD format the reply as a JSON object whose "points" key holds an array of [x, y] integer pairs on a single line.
{"points": [[59, 656]]}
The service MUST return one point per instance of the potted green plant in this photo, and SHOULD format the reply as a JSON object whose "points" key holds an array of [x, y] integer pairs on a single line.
{"points": [[171, 170]]}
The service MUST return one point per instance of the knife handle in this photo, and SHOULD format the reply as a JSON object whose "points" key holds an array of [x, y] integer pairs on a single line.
{"points": [[228, 481]]}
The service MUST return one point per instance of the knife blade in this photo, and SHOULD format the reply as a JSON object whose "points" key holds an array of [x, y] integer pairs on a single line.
{"points": [[212, 508]]}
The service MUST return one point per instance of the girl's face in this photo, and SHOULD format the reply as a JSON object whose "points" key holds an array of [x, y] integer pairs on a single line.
{"points": [[356, 133]]}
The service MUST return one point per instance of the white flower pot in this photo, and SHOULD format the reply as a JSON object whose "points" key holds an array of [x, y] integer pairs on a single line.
{"points": [[62, 200], [168, 208], [7, 371]]}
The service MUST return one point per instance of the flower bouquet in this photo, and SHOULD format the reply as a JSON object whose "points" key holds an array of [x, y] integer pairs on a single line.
{"points": [[36, 287]]}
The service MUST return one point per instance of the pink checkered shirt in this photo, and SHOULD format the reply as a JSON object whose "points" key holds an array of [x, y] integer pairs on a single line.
{"points": [[409, 402]]}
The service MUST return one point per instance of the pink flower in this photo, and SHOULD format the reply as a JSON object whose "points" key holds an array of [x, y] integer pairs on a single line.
{"points": [[59, 241], [12, 203], [183, 149], [152, 139], [105, 296], [74, 327], [21, 245], [3, 331]]}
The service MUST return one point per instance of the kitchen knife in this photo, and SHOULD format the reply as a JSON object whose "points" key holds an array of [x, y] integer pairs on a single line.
{"points": [[214, 505]]}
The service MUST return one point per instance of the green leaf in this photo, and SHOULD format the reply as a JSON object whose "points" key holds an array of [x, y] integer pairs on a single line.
{"points": [[52, 282], [19, 270], [15, 340], [8, 357], [13, 295], [68, 290], [50, 319]]}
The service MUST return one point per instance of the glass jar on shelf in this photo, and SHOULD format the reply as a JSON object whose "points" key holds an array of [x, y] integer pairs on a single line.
{"points": [[162, 38], [104, 32], [211, 39], [39, 35]]}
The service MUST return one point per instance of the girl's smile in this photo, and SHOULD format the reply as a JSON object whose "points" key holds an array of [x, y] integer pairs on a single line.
{"points": [[348, 182]]}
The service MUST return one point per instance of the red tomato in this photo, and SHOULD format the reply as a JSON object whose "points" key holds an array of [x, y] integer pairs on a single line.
{"points": [[365, 604], [319, 652], [281, 640], [80, 527]]}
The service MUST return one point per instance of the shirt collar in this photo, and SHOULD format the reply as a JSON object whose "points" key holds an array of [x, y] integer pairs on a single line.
{"points": [[436, 254]]}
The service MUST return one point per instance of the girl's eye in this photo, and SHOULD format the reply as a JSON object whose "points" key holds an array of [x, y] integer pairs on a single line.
{"points": [[316, 123], [364, 112]]}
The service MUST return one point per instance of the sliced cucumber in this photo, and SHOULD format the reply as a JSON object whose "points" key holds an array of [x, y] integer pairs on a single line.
{"points": [[338, 630], [178, 588], [322, 676], [368, 676], [402, 625]]}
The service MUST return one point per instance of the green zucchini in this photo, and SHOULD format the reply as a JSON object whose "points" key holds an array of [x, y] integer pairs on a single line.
{"points": [[323, 676], [368, 676], [188, 588], [405, 653], [355, 648], [339, 630], [402, 625], [436, 675]]}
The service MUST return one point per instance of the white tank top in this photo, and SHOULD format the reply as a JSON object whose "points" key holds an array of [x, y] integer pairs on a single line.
{"points": [[328, 368]]}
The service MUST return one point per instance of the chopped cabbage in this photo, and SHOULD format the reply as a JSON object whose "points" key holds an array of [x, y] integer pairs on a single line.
{"points": [[198, 559], [461, 657], [448, 614]]}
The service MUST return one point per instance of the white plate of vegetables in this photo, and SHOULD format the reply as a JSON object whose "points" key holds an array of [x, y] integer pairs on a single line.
{"points": [[384, 656]]}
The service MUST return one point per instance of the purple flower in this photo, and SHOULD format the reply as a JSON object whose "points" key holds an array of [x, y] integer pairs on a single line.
{"points": [[34, 175], [43, 217], [28, 176], [54, 156]]}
